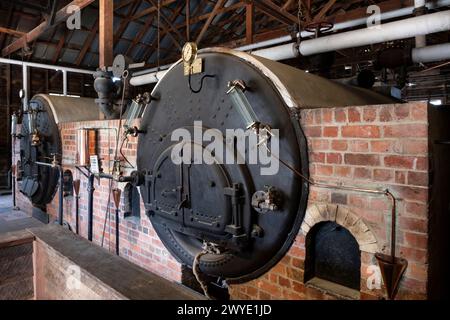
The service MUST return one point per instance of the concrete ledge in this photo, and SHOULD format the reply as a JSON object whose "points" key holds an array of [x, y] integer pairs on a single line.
{"points": [[16, 266], [58, 252], [17, 238]]}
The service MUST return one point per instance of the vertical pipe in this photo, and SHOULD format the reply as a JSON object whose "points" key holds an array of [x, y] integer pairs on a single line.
{"points": [[64, 82], [117, 232], [77, 215], [76, 188], [117, 195], [25, 86], [13, 185], [420, 9], [61, 197], [91, 190]]}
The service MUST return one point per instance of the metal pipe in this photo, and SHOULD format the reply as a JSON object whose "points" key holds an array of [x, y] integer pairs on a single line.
{"points": [[45, 66], [64, 72], [90, 190], [273, 42], [152, 77], [420, 9], [13, 185], [117, 232], [407, 28], [76, 188], [61, 197], [77, 214], [117, 195], [431, 53], [25, 87], [283, 52]]}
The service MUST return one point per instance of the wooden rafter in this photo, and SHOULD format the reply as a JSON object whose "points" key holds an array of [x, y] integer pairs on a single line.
{"points": [[212, 15], [153, 9], [188, 20], [139, 36], [87, 44], [167, 21], [154, 44], [249, 24], [124, 23], [60, 17], [11, 32], [106, 33], [318, 17], [60, 46], [8, 22], [271, 9]]}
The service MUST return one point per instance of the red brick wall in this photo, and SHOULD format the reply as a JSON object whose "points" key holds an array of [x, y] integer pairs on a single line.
{"points": [[381, 147], [138, 240], [372, 147]]}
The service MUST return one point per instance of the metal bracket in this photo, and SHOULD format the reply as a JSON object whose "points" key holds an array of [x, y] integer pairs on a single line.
{"points": [[235, 228], [194, 68]]}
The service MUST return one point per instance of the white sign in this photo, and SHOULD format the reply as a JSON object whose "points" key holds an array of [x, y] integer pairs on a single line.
{"points": [[95, 168]]}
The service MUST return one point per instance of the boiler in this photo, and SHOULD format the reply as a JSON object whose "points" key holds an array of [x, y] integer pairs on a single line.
{"points": [[228, 215]]}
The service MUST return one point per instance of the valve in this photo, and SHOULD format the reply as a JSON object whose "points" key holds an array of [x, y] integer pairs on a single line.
{"points": [[266, 201]]}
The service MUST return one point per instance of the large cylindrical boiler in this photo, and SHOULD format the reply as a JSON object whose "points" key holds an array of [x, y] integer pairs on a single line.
{"points": [[41, 141], [241, 220]]}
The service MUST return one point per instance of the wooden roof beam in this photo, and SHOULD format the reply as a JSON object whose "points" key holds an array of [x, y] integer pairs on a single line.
{"points": [[167, 20], [150, 10], [212, 15], [276, 12], [11, 32], [318, 17], [34, 34], [106, 33]]}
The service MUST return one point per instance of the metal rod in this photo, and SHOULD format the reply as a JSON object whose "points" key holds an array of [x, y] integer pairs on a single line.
{"points": [[61, 197], [77, 214], [64, 72], [44, 66], [25, 87], [13, 185], [117, 232], [90, 190]]}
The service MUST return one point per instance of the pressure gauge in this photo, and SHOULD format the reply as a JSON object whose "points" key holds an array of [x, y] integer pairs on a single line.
{"points": [[190, 52], [22, 93]]}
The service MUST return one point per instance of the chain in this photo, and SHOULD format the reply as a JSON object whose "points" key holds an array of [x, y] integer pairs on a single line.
{"points": [[159, 35], [299, 15], [208, 248]]}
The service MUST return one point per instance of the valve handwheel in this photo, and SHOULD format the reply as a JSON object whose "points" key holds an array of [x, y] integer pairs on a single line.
{"points": [[319, 27]]}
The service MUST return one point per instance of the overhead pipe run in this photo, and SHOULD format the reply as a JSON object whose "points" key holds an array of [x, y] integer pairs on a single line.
{"points": [[137, 80], [26, 65], [429, 54], [407, 28]]}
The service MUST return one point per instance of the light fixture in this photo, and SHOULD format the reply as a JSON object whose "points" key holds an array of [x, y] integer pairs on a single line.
{"points": [[62, 95], [436, 102]]}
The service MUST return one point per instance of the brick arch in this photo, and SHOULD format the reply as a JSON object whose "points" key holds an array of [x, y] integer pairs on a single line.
{"points": [[346, 218]]}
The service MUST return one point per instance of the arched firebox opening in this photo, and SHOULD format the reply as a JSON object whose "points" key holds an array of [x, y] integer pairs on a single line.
{"points": [[333, 254]]}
